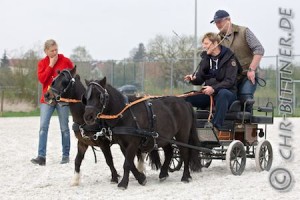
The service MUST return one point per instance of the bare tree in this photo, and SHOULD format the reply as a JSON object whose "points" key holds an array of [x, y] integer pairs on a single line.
{"points": [[175, 52], [80, 54]]}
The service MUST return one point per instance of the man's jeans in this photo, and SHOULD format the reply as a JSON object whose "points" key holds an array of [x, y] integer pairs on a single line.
{"points": [[63, 115], [246, 91], [222, 100]]}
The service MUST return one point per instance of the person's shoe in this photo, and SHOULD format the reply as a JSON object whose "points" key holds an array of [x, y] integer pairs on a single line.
{"points": [[39, 160], [64, 160]]}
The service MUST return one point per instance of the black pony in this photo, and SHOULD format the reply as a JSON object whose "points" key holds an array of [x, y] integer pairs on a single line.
{"points": [[147, 125], [68, 85]]}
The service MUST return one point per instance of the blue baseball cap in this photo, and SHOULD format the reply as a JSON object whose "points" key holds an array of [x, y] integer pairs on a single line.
{"points": [[220, 14]]}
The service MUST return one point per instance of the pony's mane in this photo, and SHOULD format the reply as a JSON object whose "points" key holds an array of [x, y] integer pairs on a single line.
{"points": [[115, 92]]}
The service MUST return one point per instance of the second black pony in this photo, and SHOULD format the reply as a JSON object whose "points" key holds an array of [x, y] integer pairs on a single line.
{"points": [[148, 124]]}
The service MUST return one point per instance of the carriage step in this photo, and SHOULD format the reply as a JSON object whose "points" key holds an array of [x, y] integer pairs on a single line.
{"points": [[225, 135]]}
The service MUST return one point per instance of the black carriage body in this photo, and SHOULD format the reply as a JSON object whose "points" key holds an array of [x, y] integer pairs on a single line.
{"points": [[242, 132]]}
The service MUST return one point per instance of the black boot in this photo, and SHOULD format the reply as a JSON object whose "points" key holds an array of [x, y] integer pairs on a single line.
{"points": [[39, 160], [64, 160]]}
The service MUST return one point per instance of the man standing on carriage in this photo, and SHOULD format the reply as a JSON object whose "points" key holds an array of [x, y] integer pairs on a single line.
{"points": [[218, 72], [47, 70], [247, 49]]}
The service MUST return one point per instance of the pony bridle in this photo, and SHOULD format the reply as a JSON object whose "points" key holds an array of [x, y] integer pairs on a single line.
{"points": [[104, 96], [57, 93]]}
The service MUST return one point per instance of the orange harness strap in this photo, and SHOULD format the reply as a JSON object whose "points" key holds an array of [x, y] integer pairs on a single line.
{"points": [[65, 99], [102, 116], [69, 100]]}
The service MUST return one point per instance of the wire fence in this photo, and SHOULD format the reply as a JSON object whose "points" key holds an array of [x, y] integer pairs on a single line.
{"points": [[158, 77]]}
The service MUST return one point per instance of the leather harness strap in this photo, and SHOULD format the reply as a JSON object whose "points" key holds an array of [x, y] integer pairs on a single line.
{"points": [[102, 116], [69, 100]]}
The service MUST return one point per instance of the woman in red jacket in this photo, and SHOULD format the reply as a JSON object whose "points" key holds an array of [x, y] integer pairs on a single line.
{"points": [[47, 71]]}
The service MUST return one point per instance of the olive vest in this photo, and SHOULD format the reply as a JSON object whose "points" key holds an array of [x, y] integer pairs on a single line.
{"points": [[237, 43]]}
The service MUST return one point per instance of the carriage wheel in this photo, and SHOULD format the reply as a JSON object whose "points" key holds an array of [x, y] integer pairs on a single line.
{"points": [[263, 156], [205, 162], [236, 157], [176, 161]]}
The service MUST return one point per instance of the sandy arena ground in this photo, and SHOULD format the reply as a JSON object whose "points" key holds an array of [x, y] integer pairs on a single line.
{"points": [[20, 179]]}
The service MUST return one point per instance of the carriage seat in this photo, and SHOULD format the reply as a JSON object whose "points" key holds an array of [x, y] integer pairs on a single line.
{"points": [[235, 112]]}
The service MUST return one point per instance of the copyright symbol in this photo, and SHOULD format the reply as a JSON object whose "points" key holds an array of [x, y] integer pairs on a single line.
{"points": [[281, 179]]}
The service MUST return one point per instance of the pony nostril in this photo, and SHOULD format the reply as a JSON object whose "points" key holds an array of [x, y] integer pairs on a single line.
{"points": [[89, 119], [46, 95]]}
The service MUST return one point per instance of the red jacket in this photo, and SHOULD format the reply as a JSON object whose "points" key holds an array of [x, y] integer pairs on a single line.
{"points": [[46, 74]]}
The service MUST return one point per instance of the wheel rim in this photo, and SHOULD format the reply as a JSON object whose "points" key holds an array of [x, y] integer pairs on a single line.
{"points": [[236, 157], [176, 161], [264, 157], [205, 160]]}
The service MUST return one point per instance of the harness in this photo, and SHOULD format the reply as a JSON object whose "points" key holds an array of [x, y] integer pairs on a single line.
{"points": [[149, 136], [57, 94]]}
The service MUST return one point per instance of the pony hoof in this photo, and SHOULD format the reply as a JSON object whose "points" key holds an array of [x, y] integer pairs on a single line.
{"points": [[162, 179], [74, 184], [185, 180], [122, 187], [76, 180], [114, 181], [144, 182]]}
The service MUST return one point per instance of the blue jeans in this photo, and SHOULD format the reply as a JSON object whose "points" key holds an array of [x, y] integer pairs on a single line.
{"points": [[63, 115], [222, 101], [246, 91]]}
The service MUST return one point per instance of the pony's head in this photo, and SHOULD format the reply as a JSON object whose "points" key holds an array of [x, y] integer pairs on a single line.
{"points": [[61, 85], [95, 99], [50, 98]]}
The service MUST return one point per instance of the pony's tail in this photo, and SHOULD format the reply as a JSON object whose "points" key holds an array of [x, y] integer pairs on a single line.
{"points": [[195, 160], [154, 159]]}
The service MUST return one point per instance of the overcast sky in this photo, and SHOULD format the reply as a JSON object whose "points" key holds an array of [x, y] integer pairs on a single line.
{"points": [[109, 29]]}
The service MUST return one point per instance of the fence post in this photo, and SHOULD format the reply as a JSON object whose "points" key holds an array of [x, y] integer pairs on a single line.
{"points": [[2, 101], [171, 78]]}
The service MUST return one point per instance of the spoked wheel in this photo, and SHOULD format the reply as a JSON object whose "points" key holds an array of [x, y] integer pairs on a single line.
{"points": [[205, 160], [263, 155], [236, 157], [176, 161]]}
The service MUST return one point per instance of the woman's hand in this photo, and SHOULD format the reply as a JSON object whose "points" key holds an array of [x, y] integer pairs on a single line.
{"points": [[53, 60], [208, 90], [189, 77]]}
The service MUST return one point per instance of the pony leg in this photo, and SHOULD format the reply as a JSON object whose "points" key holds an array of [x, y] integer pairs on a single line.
{"points": [[128, 166], [165, 167], [184, 153], [81, 149], [141, 161], [105, 147]]}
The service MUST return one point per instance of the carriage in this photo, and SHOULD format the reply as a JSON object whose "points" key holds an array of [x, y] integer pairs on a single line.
{"points": [[242, 136]]}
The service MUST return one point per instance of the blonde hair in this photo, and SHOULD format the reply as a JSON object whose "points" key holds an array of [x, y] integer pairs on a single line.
{"points": [[213, 37], [49, 43]]}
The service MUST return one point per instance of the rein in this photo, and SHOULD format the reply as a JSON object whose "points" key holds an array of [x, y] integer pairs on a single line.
{"points": [[69, 100], [102, 116]]}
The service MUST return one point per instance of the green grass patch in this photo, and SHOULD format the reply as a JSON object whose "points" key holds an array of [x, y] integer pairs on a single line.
{"points": [[35, 112]]}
